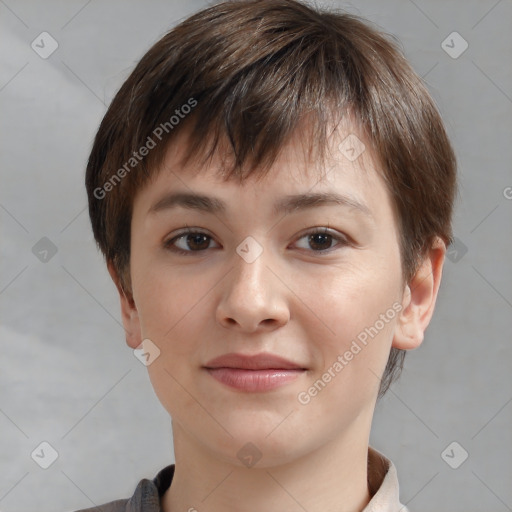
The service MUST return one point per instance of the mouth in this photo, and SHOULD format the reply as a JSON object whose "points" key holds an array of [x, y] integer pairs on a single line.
{"points": [[258, 373]]}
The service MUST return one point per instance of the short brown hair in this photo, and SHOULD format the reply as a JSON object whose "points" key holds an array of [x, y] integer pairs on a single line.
{"points": [[250, 71]]}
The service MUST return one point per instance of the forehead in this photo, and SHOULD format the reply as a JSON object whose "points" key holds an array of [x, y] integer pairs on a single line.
{"points": [[346, 168]]}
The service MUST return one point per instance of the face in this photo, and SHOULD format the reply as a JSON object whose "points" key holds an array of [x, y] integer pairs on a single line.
{"points": [[265, 269]]}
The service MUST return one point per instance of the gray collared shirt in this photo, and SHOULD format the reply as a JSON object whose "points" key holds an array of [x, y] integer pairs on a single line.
{"points": [[382, 483]]}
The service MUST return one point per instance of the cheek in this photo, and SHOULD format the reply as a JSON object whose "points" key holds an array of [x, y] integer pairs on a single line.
{"points": [[171, 307], [173, 314], [352, 302]]}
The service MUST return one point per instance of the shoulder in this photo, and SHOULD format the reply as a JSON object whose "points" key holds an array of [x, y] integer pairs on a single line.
{"points": [[113, 506], [146, 497]]}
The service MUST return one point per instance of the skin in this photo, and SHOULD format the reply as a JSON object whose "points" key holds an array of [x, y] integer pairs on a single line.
{"points": [[305, 301]]}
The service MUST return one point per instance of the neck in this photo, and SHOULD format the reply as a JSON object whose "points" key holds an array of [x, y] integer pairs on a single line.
{"points": [[331, 479]]}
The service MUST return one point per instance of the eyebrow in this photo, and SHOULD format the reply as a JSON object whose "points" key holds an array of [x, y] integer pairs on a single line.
{"points": [[287, 204]]}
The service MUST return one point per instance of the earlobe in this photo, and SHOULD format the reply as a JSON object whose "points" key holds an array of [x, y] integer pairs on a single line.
{"points": [[419, 299], [129, 313]]}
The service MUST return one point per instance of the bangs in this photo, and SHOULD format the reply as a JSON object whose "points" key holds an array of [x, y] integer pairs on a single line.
{"points": [[301, 82]]}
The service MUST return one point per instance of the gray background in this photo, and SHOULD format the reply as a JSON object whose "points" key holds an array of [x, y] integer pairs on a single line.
{"points": [[66, 376]]}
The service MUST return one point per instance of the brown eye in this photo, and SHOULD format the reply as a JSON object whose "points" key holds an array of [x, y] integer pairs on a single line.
{"points": [[189, 242], [320, 240], [197, 241]]}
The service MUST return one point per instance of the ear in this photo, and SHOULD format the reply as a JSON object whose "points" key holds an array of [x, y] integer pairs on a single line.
{"points": [[129, 313], [419, 299]]}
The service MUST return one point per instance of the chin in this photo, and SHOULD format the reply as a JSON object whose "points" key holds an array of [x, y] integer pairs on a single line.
{"points": [[255, 444]]}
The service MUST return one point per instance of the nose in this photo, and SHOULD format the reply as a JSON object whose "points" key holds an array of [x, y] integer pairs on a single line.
{"points": [[253, 297]]}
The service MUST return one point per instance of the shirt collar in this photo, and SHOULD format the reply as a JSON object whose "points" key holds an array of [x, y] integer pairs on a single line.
{"points": [[383, 484]]}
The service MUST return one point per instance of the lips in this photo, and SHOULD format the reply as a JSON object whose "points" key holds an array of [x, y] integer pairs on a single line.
{"points": [[257, 362], [256, 374]]}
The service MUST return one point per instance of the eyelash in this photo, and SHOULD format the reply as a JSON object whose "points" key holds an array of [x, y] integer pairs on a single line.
{"points": [[343, 241]]}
